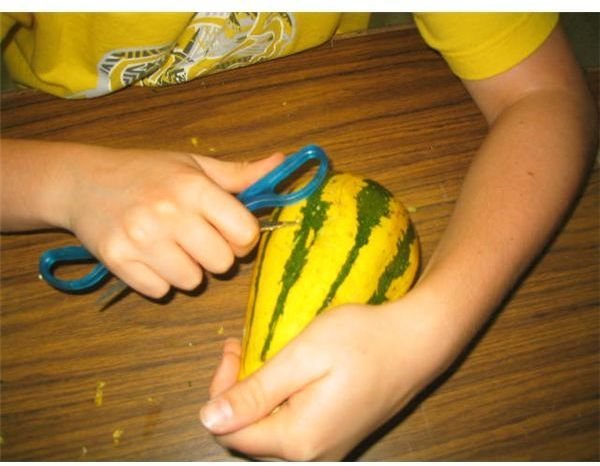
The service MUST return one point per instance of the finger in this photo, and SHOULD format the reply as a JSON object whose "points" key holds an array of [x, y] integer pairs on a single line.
{"points": [[305, 427], [265, 438], [236, 176], [296, 430], [172, 264], [229, 217], [204, 244], [142, 278], [121, 257], [258, 395], [227, 373]]}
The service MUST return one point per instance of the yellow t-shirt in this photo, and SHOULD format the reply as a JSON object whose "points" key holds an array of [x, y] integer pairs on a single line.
{"points": [[78, 55], [481, 45]]}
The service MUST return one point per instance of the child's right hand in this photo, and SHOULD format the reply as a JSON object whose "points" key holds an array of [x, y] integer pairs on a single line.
{"points": [[156, 218]]}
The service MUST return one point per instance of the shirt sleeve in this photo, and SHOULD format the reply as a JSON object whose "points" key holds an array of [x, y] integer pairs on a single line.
{"points": [[10, 20], [481, 45]]}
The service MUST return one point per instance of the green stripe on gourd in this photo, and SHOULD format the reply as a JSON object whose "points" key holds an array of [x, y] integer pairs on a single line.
{"points": [[314, 215], [396, 267], [373, 204]]}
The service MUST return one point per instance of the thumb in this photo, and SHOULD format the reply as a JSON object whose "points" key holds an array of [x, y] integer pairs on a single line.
{"points": [[237, 176], [227, 372], [258, 395]]}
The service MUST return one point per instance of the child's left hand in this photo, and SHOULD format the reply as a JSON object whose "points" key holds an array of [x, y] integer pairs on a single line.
{"points": [[348, 372]]}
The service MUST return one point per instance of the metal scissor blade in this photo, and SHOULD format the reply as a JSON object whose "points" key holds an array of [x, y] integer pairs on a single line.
{"points": [[270, 225], [111, 294]]}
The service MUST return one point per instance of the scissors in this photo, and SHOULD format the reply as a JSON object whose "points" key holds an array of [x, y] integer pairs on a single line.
{"points": [[260, 195]]}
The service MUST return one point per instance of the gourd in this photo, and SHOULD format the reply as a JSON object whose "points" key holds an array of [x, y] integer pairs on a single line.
{"points": [[353, 243]]}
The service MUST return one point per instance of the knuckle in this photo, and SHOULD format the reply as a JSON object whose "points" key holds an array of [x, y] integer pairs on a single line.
{"points": [[164, 207], [253, 397], [112, 251], [310, 357], [190, 186], [188, 189], [138, 224], [299, 448]]}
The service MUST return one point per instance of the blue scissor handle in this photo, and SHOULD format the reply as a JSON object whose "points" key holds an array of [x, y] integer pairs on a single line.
{"points": [[262, 193], [71, 254], [259, 195]]}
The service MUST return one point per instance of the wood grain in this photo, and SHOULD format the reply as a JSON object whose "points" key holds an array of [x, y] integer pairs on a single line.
{"points": [[382, 105]]}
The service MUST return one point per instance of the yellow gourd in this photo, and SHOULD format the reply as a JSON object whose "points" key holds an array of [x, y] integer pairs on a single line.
{"points": [[353, 243]]}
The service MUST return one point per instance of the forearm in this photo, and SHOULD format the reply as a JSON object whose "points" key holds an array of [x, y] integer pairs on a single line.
{"points": [[35, 177], [522, 182]]}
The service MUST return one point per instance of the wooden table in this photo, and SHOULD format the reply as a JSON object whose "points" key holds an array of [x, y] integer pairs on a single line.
{"points": [[382, 105]]}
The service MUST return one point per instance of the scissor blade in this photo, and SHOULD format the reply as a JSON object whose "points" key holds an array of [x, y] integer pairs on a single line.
{"points": [[270, 225], [111, 294]]}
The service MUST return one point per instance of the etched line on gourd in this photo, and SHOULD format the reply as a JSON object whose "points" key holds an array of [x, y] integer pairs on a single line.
{"points": [[396, 267], [372, 205], [314, 215]]}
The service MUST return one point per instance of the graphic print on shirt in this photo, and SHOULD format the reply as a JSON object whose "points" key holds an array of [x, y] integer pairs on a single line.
{"points": [[220, 41], [133, 65], [120, 68], [211, 42]]}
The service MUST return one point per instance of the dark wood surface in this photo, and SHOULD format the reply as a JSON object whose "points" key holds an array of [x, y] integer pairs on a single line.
{"points": [[382, 105]]}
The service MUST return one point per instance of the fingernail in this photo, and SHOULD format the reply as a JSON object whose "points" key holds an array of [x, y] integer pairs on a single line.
{"points": [[215, 413]]}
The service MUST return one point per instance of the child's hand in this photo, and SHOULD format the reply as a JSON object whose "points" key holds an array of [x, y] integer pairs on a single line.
{"points": [[348, 372], [156, 219]]}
